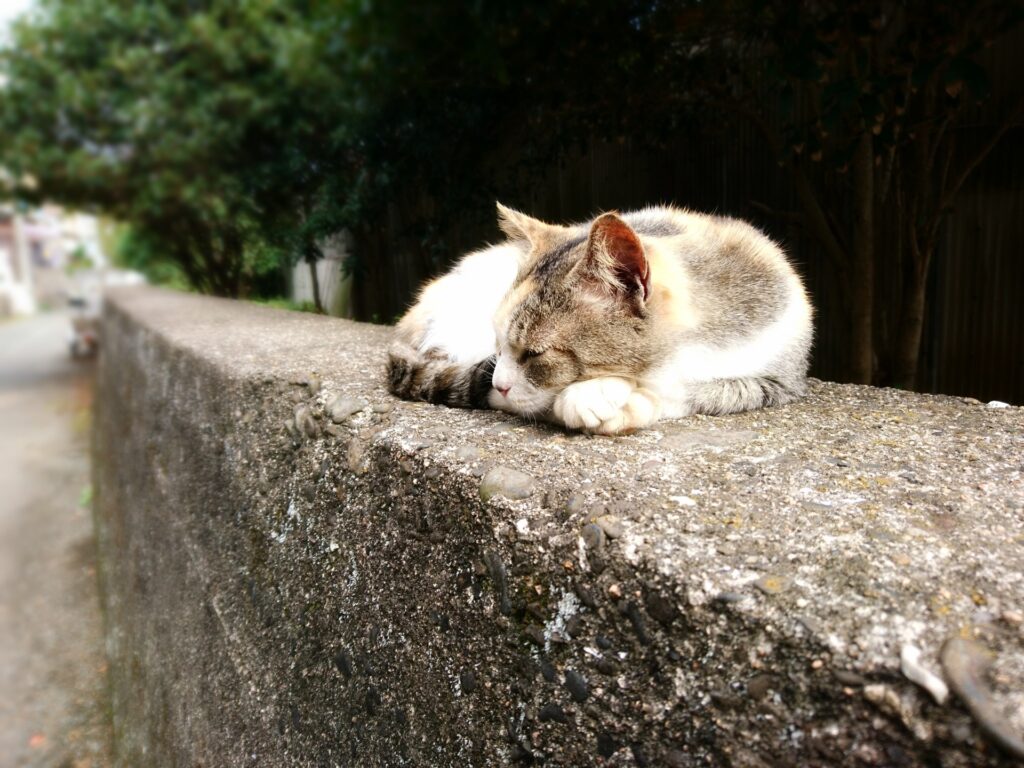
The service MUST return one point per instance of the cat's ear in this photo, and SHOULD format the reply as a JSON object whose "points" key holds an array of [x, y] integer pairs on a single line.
{"points": [[616, 256], [518, 226]]}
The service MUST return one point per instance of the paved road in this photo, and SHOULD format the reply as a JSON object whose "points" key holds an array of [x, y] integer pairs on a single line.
{"points": [[52, 669]]}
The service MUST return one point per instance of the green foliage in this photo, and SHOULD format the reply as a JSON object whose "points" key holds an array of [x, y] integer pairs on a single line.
{"points": [[190, 121], [240, 133], [135, 250], [77, 261], [234, 136]]}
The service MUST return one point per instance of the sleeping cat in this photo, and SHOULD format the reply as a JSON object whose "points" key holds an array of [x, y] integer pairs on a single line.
{"points": [[610, 325]]}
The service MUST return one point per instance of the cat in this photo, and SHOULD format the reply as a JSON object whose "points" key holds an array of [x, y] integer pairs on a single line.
{"points": [[609, 325]]}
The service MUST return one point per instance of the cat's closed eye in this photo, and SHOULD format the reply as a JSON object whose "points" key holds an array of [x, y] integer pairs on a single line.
{"points": [[529, 354]]}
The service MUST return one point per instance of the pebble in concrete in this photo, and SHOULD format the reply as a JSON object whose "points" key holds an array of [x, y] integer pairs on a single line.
{"points": [[356, 457], [343, 407], [611, 526], [535, 634], [593, 537], [552, 712], [914, 670], [467, 453], [675, 758], [772, 584], [576, 684], [574, 504], [507, 482], [965, 664], [304, 421], [467, 681], [759, 686]]}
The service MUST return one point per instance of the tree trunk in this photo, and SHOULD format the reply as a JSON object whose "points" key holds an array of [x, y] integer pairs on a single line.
{"points": [[908, 340], [315, 278], [862, 271], [374, 265], [184, 257]]}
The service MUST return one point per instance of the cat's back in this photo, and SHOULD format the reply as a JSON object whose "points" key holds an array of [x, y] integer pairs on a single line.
{"points": [[702, 240], [734, 277]]}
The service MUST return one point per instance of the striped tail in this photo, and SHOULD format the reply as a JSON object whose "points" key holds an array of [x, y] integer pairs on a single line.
{"points": [[433, 377], [734, 395]]}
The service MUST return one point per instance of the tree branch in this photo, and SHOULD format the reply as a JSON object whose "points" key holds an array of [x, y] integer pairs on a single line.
{"points": [[947, 161], [794, 217], [814, 216], [938, 137], [889, 166], [947, 195]]}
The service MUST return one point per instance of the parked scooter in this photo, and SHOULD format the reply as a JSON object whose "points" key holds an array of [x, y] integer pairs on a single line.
{"points": [[85, 336]]}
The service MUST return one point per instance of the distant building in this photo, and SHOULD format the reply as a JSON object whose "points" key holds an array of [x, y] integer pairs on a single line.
{"points": [[335, 286], [16, 294], [39, 252]]}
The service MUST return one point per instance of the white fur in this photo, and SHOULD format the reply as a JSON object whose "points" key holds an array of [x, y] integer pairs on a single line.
{"points": [[607, 405], [523, 397], [588, 404], [697, 363], [465, 301]]}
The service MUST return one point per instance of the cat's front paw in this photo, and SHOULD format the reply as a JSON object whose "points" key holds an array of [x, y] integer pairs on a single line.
{"points": [[586, 404], [642, 409], [608, 406]]}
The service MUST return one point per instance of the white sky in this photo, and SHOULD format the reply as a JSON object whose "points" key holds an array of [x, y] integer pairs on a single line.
{"points": [[9, 10]]}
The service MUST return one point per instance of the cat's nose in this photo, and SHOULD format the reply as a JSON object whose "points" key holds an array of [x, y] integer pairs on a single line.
{"points": [[503, 390]]}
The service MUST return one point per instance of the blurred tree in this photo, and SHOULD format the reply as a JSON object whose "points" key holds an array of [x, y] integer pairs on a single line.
{"points": [[237, 135], [863, 103], [457, 104], [78, 260], [193, 122], [131, 249]]}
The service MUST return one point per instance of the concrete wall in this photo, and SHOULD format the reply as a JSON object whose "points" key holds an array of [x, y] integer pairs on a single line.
{"points": [[299, 570]]}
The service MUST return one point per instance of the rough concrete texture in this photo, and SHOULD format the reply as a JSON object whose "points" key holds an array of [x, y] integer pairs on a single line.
{"points": [[301, 570]]}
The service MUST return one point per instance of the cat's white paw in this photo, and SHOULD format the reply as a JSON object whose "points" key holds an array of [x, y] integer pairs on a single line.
{"points": [[642, 408], [608, 406], [587, 404]]}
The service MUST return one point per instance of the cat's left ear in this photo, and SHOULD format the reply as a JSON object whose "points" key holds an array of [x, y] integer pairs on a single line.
{"points": [[616, 256], [525, 229], [518, 226]]}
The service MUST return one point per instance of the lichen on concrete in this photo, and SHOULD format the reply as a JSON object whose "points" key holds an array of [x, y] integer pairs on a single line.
{"points": [[294, 580]]}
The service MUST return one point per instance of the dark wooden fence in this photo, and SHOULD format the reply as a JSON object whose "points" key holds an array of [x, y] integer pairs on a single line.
{"points": [[974, 333]]}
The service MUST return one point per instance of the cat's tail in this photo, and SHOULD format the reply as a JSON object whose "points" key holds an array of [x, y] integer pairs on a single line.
{"points": [[434, 377], [734, 395]]}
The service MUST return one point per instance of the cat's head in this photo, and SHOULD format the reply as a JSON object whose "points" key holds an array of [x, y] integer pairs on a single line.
{"points": [[579, 309]]}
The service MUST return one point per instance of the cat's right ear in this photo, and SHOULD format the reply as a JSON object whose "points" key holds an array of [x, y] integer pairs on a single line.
{"points": [[520, 227], [616, 258]]}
